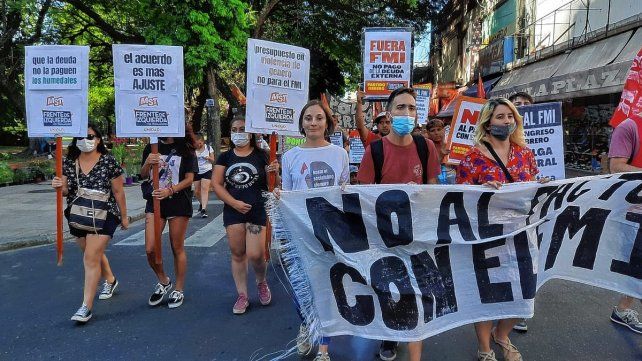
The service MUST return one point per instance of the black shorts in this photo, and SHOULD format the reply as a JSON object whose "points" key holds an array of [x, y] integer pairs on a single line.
{"points": [[206, 175], [111, 223], [180, 205], [256, 215]]}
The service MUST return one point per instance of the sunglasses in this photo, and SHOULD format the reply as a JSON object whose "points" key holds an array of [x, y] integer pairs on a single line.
{"points": [[88, 137]]}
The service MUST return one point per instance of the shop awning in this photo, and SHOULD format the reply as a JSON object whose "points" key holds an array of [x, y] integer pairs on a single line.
{"points": [[594, 69], [488, 85]]}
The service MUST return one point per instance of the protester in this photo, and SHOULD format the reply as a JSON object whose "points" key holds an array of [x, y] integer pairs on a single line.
{"points": [[520, 99], [239, 181], [416, 130], [436, 132], [178, 164], [381, 121], [316, 163], [405, 159], [354, 171], [88, 167], [500, 155], [202, 179], [624, 151]]}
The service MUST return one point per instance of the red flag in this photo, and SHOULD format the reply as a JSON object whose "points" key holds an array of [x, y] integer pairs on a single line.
{"points": [[631, 101], [324, 100], [481, 93]]}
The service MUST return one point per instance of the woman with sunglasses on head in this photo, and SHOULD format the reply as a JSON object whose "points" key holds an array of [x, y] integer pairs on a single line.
{"points": [[500, 155], [240, 178], [314, 164], [177, 166], [88, 166]]}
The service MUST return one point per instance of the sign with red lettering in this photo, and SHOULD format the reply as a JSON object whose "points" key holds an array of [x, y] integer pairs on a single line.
{"points": [[387, 61], [462, 129]]}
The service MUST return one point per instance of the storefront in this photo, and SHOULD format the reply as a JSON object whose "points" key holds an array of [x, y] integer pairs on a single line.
{"points": [[589, 81]]}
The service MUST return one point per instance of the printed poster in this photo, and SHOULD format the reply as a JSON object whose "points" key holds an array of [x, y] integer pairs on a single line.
{"points": [[277, 87], [56, 90], [149, 90]]}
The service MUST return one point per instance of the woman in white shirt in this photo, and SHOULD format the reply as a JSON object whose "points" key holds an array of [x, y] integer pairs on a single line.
{"points": [[315, 163], [202, 180]]}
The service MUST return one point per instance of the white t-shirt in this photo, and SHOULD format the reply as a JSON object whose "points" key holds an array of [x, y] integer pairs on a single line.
{"points": [[204, 165], [305, 168]]}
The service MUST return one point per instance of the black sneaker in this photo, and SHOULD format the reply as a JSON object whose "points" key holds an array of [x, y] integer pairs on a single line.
{"points": [[82, 315], [108, 290], [160, 292], [204, 213], [175, 299], [388, 350]]}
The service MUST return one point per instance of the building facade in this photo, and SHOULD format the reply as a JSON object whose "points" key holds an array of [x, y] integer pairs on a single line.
{"points": [[577, 52]]}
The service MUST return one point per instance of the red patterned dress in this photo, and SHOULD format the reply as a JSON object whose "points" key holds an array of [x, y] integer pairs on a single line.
{"points": [[476, 168]]}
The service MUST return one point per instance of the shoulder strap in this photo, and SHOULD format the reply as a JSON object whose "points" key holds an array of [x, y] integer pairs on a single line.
{"points": [[422, 151], [376, 149], [509, 178]]}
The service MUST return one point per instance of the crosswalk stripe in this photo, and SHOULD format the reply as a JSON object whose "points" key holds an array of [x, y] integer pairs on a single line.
{"points": [[206, 236], [137, 238]]}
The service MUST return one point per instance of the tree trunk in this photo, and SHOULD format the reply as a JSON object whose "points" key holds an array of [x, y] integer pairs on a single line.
{"points": [[214, 116], [197, 118]]}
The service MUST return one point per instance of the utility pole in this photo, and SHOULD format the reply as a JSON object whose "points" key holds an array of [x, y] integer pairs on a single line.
{"points": [[213, 113]]}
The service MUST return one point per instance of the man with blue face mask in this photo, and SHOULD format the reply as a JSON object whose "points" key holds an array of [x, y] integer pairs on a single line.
{"points": [[400, 158]]}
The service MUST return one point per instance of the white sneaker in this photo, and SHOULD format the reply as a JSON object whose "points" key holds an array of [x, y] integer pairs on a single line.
{"points": [[303, 341]]}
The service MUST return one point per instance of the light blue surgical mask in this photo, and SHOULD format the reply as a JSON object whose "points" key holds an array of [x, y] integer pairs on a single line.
{"points": [[403, 124]]}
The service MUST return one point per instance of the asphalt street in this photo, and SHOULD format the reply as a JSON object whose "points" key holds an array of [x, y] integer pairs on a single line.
{"points": [[571, 320]]}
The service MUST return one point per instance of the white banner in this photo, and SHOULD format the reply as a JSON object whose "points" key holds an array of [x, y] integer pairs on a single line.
{"points": [[149, 90], [56, 90], [277, 87], [544, 135], [405, 262]]}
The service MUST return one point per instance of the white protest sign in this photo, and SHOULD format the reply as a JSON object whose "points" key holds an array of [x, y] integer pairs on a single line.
{"points": [[149, 90], [544, 136], [423, 102], [336, 138], [56, 90], [277, 87], [387, 61], [460, 136], [356, 149], [406, 262]]}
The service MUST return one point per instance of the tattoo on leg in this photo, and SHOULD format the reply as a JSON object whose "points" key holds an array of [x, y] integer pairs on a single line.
{"points": [[254, 229]]}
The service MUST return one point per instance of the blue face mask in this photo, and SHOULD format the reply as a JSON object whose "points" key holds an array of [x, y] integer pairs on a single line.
{"points": [[403, 124]]}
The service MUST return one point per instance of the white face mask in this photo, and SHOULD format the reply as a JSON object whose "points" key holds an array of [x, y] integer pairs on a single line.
{"points": [[86, 145], [240, 139]]}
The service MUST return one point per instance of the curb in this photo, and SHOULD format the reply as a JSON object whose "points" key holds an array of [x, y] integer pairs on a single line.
{"points": [[50, 238]]}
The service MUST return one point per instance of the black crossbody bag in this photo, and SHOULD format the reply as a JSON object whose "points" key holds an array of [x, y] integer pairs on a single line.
{"points": [[509, 178]]}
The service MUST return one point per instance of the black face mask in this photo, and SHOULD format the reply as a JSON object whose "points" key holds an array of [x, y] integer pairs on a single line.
{"points": [[502, 132]]}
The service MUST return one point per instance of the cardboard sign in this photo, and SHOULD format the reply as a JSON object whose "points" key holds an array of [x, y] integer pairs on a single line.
{"points": [[148, 82], [544, 136], [277, 87], [462, 129], [56, 90], [387, 61]]}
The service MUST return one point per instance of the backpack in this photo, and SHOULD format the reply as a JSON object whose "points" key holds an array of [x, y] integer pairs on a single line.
{"points": [[376, 149]]}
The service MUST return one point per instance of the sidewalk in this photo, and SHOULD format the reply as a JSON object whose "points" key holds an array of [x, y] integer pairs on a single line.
{"points": [[28, 214]]}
